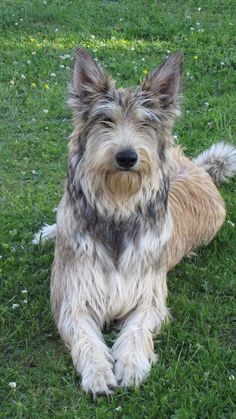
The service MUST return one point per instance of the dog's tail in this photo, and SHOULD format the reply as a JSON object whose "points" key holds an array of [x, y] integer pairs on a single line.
{"points": [[219, 161]]}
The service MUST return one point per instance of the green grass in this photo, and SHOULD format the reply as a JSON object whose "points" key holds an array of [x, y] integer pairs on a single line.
{"points": [[193, 378]]}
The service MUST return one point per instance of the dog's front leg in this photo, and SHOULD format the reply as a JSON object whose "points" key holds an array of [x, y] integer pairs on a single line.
{"points": [[133, 350], [90, 354]]}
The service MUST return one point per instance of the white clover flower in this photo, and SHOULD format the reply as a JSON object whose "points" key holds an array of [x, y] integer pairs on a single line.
{"points": [[231, 377], [12, 384], [33, 53], [29, 62], [56, 30], [64, 56], [118, 409], [22, 76], [192, 29], [222, 63], [25, 291], [53, 75], [16, 24], [25, 301], [198, 24], [231, 223], [33, 173], [199, 9], [15, 305], [45, 110], [143, 59], [93, 36], [62, 66]]}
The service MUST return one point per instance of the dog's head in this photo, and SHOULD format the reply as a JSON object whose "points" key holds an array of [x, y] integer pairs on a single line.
{"points": [[121, 136]]}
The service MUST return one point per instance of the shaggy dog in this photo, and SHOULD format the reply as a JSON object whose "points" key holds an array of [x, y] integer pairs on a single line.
{"points": [[133, 206]]}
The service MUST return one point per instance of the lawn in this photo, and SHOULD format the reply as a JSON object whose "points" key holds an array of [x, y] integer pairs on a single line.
{"points": [[194, 377]]}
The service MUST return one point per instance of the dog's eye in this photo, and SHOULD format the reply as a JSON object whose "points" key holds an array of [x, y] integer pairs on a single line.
{"points": [[145, 124], [149, 121], [107, 121]]}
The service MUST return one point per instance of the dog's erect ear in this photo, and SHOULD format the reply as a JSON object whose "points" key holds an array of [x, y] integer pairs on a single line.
{"points": [[88, 78], [165, 81]]}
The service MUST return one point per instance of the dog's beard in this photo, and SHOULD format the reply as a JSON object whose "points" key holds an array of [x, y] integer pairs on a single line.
{"points": [[123, 184]]}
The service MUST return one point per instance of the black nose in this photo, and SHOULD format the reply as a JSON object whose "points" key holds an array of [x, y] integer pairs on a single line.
{"points": [[126, 158]]}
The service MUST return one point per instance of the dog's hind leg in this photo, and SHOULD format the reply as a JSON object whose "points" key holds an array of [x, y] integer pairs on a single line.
{"points": [[47, 232]]}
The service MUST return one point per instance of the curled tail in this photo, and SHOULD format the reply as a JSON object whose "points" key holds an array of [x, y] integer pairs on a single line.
{"points": [[219, 161]]}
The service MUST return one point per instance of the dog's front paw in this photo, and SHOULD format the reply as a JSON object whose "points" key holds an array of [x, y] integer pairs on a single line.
{"points": [[132, 370], [99, 382]]}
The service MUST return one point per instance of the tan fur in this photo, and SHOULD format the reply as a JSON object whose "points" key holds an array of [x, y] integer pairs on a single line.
{"points": [[123, 185], [196, 207]]}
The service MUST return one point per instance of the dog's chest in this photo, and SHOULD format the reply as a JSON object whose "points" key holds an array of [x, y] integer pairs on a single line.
{"points": [[119, 236], [116, 237], [117, 271], [127, 246], [118, 260]]}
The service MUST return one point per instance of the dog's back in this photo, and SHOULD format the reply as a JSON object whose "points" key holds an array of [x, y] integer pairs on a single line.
{"points": [[196, 206]]}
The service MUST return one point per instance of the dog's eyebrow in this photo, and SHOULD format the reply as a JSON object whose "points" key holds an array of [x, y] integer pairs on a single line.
{"points": [[104, 110], [148, 102], [147, 114]]}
